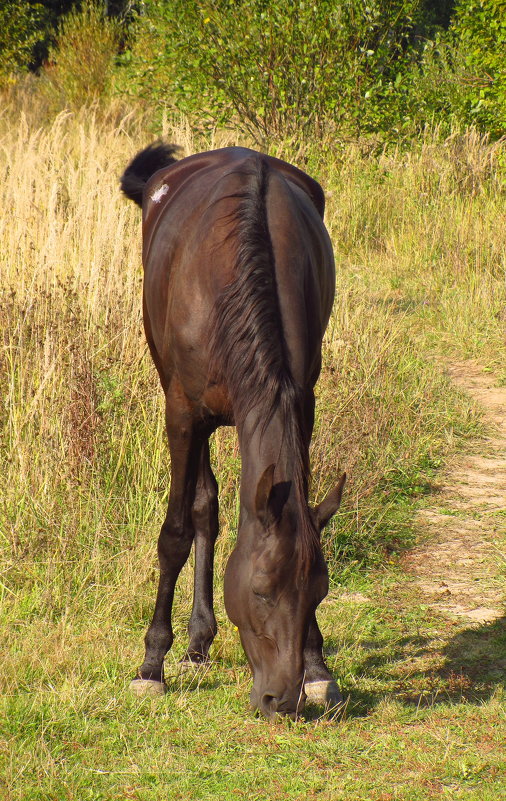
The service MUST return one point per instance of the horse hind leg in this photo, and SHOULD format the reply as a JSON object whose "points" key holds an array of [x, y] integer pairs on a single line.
{"points": [[174, 545], [202, 626]]}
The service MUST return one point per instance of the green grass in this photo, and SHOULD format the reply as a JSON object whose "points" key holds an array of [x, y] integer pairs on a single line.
{"points": [[420, 278], [421, 721]]}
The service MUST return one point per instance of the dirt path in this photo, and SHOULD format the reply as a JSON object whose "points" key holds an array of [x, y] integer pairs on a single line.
{"points": [[459, 568]]}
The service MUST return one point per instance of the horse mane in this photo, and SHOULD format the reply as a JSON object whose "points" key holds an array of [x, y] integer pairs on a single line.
{"points": [[248, 346]]}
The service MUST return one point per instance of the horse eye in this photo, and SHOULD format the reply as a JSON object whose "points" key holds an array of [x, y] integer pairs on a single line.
{"points": [[260, 595], [263, 586]]}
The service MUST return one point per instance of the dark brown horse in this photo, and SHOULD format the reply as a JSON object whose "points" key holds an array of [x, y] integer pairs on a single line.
{"points": [[238, 288]]}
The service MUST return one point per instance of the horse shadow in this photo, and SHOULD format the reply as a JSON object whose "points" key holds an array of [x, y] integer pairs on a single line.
{"points": [[472, 668]]}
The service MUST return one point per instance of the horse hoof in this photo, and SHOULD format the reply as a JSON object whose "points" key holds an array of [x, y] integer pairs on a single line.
{"points": [[147, 687], [192, 665], [323, 692]]}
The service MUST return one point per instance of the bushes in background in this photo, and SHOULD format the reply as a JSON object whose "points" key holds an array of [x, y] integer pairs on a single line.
{"points": [[388, 67], [21, 26], [479, 42], [81, 63], [292, 68]]}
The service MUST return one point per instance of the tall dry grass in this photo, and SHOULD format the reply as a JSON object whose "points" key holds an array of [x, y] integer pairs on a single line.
{"points": [[84, 464]]}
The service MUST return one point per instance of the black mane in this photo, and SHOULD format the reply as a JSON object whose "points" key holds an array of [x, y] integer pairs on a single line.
{"points": [[248, 345]]}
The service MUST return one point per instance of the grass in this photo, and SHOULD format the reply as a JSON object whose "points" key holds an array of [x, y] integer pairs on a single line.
{"points": [[417, 725], [84, 466]]}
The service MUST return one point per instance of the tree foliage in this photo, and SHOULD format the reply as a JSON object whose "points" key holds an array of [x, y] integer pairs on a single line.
{"points": [[480, 42], [279, 66], [296, 68], [20, 26], [460, 79]]}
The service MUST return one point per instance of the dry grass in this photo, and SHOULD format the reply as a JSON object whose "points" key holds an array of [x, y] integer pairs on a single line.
{"points": [[419, 258]]}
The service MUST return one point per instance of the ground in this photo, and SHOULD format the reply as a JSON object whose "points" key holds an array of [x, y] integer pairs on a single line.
{"points": [[458, 567]]}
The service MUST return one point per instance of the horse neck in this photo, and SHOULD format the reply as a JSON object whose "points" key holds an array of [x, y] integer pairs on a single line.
{"points": [[262, 445]]}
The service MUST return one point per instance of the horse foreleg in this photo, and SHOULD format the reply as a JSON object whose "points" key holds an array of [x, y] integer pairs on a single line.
{"points": [[174, 543], [202, 626], [319, 684]]}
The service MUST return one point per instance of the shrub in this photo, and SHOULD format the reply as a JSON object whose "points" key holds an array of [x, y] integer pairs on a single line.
{"points": [[19, 31], [80, 66], [480, 31], [461, 79], [291, 68]]}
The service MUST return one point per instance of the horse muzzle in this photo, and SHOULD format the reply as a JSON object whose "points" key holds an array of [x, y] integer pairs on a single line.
{"points": [[272, 704]]}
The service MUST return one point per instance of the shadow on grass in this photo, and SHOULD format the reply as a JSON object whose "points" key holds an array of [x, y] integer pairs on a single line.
{"points": [[475, 662], [469, 668], [414, 671]]}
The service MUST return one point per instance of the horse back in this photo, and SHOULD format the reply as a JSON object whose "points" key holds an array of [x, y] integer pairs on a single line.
{"points": [[191, 237]]}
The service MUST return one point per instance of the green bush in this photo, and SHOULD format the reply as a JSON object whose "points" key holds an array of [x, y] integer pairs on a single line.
{"points": [[461, 78], [292, 68], [389, 67], [480, 31], [20, 22], [80, 67]]}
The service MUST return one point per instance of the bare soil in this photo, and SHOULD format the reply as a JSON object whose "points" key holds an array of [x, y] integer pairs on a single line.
{"points": [[460, 567]]}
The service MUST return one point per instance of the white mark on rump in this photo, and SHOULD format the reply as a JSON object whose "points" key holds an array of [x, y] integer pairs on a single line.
{"points": [[159, 193]]}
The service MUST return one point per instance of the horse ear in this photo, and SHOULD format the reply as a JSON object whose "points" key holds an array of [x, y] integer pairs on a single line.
{"points": [[270, 498], [329, 506], [264, 489]]}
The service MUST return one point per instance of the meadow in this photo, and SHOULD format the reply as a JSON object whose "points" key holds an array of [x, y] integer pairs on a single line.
{"points": [[420, 256]]}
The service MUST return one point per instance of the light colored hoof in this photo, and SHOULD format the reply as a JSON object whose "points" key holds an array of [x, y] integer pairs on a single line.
{"points": [[323, 692], [147, 687]]}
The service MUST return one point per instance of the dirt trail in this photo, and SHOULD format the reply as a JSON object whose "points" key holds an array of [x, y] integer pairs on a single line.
{"points": [[459, 568]]}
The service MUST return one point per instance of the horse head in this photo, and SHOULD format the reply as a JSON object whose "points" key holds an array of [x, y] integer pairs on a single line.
{"points": [[270, 594]]}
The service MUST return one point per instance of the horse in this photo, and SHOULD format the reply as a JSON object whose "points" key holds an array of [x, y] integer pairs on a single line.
{"points": [[239, 282]]}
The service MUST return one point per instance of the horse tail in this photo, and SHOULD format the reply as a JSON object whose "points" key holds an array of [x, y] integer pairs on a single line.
{"points": [[143, 165]]}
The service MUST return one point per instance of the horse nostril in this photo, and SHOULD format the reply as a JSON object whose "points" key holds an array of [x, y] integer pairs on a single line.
{"points": [[269, 705]]}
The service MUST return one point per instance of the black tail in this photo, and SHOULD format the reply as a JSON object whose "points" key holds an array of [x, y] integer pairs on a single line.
{"points": [[142, 167]]}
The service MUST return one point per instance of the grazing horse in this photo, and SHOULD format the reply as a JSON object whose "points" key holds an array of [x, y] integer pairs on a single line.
{"points": [[238, 288]]}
